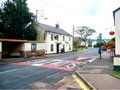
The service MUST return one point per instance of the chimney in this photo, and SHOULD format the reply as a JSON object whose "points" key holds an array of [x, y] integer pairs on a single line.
{"points": [[57, 25]]}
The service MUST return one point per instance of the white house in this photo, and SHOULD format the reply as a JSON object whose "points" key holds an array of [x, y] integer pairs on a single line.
{"points": [[116, 15], [56, 40]]}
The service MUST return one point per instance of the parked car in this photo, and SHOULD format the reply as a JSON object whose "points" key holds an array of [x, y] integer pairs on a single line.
{"points": [[104, 48]]}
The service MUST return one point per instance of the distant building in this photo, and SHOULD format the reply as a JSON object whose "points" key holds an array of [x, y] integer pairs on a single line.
{"points": [[56, 40]]}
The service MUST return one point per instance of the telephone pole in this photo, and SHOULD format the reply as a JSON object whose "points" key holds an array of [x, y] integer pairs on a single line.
{"points": [[73, 37]]}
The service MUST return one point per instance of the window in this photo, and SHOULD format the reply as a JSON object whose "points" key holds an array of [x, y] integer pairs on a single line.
{"points": [[56, 37], [63, 38], [51, 37], [51, 47], [69, 47], [44, 36], [33, 46], [69, 38]]}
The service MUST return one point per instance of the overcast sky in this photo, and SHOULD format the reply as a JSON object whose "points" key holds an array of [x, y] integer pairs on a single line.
{"points": [[96, 14]]}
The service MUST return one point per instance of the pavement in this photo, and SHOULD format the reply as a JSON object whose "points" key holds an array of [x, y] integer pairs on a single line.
{"points": [[97, 74], [67, 83]]}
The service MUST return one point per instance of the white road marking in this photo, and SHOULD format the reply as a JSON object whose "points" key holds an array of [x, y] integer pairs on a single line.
{"points": [[37, 64], [92, 59], [8, 71]]}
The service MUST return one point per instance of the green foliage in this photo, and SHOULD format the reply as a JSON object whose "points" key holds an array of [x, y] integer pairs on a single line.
{"points": [[111, 43], [76, 43], [113, 39], [104, 43], [1, 35], [80, 49], [15, 17], [84, 32], [30, 33], [98, 44], [117, 75]]}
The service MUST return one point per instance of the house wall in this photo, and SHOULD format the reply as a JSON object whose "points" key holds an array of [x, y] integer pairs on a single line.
{"points": [[49, 42], [0, 50], [41, 34], [28, 52], [117, 32], [116, 62], [44, 36], [62, 42]]}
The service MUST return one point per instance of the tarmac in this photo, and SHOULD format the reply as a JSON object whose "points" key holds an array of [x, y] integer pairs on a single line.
{"points": [[97, 74]]}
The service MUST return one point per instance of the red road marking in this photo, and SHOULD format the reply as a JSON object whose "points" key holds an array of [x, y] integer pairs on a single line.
{"points": [[76, 62], [44, 65], [57, 67]]}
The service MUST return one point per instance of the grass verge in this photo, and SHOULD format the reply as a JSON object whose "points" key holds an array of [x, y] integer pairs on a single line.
{"points": [[117, 75], [80, 49]]}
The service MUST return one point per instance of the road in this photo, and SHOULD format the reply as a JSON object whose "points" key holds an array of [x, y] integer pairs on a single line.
{"points": [[21, 75]]}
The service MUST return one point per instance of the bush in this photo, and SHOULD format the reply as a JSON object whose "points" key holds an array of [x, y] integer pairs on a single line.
{"points": [[1, 35]]}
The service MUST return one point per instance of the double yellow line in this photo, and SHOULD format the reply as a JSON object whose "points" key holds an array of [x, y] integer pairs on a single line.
{"points": [[80, 83]]}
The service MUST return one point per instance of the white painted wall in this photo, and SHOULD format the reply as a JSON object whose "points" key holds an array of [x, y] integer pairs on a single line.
{"points": [[40, 46], [66, 43], [27, 47], [117, 32], [116, 61]]}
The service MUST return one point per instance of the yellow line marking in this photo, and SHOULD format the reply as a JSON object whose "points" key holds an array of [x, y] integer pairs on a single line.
{"points": [[80, 83]]}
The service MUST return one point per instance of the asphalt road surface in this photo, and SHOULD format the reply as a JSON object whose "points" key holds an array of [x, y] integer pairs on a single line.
{"points": [[21, 75]]}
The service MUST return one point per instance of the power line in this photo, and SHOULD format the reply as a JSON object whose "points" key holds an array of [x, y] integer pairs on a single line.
{"points": [[56, 5]]}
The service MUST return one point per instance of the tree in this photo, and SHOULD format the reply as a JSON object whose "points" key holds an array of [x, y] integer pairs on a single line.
{"points": [[16, 18], [76, 43], [84, 32]]}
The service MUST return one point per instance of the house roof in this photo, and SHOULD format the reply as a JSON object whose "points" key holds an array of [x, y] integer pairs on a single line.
{"points": [[17, 40], [49, 28], [12, 40]]}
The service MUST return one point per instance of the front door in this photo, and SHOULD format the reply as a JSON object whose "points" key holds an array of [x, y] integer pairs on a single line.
{"points": [[57, 48]]}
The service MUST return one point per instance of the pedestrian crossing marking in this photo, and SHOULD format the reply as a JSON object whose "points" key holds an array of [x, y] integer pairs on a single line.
{"points": [[86, 57], [76, 62], [57, 67], [58, 64]]}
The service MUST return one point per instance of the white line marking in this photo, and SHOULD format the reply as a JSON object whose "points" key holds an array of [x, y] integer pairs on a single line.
{"points": [[37, 64], [92, 59], [8, 71]]}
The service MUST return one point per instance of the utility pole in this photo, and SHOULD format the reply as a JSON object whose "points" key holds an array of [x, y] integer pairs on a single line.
{"points": [[73, 37], [36, 15]]}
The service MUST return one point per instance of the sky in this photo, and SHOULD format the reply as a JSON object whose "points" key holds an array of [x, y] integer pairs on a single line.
{"points": [[96, 14]]}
